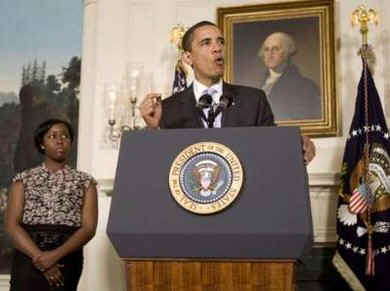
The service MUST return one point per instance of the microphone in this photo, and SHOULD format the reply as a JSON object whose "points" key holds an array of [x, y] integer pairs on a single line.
{"points": [[205, 101], [224, 102]]}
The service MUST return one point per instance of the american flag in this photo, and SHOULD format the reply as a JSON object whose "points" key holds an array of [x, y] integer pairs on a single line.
{"points": [[180, 82], [360, 200], [363, 270]]}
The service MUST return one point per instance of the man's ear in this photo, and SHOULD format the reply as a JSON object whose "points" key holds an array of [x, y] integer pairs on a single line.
{"points": [[187, 58]]}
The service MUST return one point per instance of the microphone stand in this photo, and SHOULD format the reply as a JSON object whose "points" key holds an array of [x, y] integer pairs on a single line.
{"points": [[205, 102], [211, 118]]}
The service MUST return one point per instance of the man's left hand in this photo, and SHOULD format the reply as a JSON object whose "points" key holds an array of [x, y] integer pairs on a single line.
{"points": [[309, 150]]}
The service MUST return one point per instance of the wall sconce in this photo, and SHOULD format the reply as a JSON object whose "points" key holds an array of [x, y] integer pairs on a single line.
{"points": [[121, 103]]}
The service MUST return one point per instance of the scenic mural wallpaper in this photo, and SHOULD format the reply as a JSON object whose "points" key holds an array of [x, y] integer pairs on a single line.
{"points": [[40, 52]]}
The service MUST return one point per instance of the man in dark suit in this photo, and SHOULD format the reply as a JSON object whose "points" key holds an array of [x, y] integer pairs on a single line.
{"points": [[203, 46], [249, 109]]}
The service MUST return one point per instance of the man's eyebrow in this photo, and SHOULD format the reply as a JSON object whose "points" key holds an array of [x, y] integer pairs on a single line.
{"points": [[205, 39]]}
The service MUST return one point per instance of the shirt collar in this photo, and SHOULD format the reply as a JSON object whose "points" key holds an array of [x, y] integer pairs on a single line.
{"points": [[59, 171], [274, 74], [199, 88]]}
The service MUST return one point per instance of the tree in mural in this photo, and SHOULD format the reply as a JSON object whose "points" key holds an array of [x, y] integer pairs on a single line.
{"points": [[9, 125], [71, 74]]}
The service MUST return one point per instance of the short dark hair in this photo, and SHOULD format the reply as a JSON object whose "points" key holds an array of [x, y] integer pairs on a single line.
{"points": [[44, 127], [189, 34]]}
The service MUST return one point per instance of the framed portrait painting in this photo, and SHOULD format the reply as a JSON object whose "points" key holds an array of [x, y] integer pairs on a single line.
{"points": [[287, 50]]}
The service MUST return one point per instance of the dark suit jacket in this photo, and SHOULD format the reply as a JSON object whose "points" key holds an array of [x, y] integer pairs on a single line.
{"points": [[249, 108]]}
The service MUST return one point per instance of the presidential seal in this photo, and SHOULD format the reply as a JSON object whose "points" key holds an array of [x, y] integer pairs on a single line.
{"points": [[205, 177]]}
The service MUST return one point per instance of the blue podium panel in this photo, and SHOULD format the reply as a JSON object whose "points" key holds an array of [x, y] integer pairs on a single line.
{"points": [[270, 219]]}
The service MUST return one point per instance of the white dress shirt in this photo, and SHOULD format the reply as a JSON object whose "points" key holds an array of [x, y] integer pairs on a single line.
{"points": [[271, 81]]}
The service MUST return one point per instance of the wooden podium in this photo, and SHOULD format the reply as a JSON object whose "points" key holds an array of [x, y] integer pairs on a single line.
{"points": [[192, 275], [251, 245]]}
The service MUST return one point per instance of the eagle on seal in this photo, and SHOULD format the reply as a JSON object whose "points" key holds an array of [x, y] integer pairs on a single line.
{"points": [[206, 174]]}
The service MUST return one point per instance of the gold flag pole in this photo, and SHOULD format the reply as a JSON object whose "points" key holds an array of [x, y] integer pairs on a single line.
{"points": [[364, 16]]}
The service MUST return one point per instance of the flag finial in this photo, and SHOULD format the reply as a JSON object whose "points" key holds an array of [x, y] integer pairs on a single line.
{"points": [[364, 16], [176, 35]]}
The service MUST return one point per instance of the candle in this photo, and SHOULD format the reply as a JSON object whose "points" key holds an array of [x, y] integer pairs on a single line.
{"points": [[111, 107], [112, 112], [134, 74], [112, 97], [133, 82], [133, 89]]}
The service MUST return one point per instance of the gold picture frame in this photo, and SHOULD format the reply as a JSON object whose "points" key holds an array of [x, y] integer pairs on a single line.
{"points": [[308, 98]]}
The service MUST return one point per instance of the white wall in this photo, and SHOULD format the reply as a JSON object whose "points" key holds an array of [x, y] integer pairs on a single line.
{"points": [[120, 31]]}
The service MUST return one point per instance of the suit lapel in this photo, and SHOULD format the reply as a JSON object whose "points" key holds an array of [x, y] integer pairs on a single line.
{"points": [[189, 105], [229, 116]]}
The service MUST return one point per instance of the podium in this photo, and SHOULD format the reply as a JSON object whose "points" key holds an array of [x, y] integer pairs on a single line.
{"points": [[250, 245]]}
